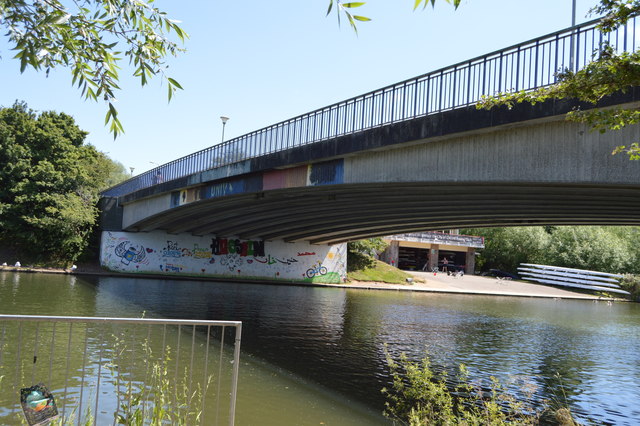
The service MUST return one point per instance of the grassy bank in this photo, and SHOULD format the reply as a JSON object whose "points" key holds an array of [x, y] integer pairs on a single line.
{"points": [[379, 272]]}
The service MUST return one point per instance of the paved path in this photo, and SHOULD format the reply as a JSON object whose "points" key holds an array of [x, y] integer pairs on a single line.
{"points": [[473, 284]]}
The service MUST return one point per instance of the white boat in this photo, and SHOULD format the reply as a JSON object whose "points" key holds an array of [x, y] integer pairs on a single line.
{"points": [[580, 271], [588, 287], [571, 277], [569, 274], [537, 274]]}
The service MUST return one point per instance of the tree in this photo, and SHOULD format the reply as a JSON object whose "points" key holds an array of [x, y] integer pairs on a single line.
{"points": [[506, 248], [589, 247], [86, 36], [613, 249], [49, 185], [360, 253]]}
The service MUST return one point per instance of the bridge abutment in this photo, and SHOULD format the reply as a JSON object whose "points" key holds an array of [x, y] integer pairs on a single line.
{"points": [[219, 257]]}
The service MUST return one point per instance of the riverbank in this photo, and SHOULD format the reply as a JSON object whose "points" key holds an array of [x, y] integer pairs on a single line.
{"points": [[479, 285], [422, 282]]}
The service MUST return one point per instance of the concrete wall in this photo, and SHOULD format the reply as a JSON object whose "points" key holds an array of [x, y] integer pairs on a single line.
{"points": [[146, 207], [551, 151], [543, 152], [207, 256]]}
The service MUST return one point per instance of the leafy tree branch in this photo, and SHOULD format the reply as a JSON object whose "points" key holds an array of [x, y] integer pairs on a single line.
{"points": [[344, 8], [86, 36]]}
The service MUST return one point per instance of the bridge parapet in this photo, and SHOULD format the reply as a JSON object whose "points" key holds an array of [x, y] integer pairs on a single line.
{"points": [[525, 66]]}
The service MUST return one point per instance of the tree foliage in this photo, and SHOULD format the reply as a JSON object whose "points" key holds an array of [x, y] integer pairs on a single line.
{"points": [[360, 253], [345, 8], [420, 396], [614, 249], [91, 38], [49, 184], [506, 248], [589, 247]]}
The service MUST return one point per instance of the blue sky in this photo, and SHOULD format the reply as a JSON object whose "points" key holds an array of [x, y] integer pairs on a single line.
{"points": [[261, 62]]}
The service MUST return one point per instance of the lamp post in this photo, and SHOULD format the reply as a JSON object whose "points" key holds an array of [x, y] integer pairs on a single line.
{"points": [[573, 24], [224, 123], [132, 169]]}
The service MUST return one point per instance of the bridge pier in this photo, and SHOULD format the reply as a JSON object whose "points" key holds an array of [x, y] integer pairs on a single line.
{"points": [[211, 256]]}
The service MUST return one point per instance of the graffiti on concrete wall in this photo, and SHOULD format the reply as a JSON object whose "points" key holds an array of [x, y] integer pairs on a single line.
{"points": [[158, 252]]}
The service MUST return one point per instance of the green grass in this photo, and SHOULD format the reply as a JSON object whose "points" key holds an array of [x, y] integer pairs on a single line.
{"points": [[380, 272]]}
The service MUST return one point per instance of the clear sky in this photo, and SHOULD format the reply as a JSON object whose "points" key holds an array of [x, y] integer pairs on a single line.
{"points": [[260, 62]]}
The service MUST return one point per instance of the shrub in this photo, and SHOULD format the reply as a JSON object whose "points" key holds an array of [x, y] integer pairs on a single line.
{"points": [[420, 397]]}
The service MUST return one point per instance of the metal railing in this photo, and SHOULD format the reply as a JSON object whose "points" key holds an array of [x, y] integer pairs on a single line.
{"points": [[525, 66], [112, 370]]}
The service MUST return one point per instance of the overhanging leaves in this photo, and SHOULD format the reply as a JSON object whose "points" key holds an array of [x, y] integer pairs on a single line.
{"points": [[87, 36]]}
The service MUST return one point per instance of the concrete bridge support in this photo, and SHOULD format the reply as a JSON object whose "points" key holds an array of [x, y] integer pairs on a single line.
{"points": [[220, 257]]}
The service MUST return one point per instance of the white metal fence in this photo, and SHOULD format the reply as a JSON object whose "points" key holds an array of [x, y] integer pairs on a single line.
{"points": [[121, 370]]}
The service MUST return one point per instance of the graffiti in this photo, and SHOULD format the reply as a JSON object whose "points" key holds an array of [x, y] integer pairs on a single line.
{"points": [[232, 261], [201, 253], [316, 270], [269, 260], [161, 253], [173, 268], [222, 246], [220, 190], [171, 250], [130, 254]]}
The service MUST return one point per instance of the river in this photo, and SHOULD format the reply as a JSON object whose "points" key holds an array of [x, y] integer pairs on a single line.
{"points": [[314, 355]]}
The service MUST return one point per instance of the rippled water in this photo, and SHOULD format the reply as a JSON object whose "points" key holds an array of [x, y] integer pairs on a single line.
{"points": [[331, 340]]}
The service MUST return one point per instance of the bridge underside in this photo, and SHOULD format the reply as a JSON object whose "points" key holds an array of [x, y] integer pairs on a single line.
{"points": [[339, 213]]}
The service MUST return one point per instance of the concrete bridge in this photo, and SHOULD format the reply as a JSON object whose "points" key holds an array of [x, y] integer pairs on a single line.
{"points": [[413, 156]]}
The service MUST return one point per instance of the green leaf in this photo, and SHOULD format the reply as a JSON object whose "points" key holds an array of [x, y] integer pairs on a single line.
{"points": [[174, 83], [353, 4], [361, 18], [330, 7], [112, 110]]}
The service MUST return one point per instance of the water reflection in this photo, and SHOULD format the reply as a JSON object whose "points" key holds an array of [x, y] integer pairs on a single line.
{"points": [[334, 337]]}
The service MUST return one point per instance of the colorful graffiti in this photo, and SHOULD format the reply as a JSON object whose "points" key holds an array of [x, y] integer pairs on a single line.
{"points": [[157, 252], [129, 253], [221, 246]]}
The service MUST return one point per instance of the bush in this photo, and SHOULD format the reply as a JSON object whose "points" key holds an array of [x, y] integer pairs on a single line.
{"points": [[420, 397], [631, 283], [360, 253]]}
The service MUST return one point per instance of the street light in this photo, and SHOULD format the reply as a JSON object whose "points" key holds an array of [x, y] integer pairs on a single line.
{"points": [[224, 123], [132, 169], [573, 24]]}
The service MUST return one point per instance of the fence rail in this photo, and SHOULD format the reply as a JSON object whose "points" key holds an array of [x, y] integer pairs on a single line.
{"points": [[111, 370], [525, 66]]}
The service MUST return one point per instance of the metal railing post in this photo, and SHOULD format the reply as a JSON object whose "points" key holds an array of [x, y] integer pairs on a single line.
{"points": [[236, 366]]}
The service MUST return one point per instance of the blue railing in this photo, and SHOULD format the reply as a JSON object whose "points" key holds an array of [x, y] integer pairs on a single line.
{"points": [[525, 66]]}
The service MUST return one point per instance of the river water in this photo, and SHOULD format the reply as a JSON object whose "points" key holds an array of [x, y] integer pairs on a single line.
{"points": [[313, 355]]}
